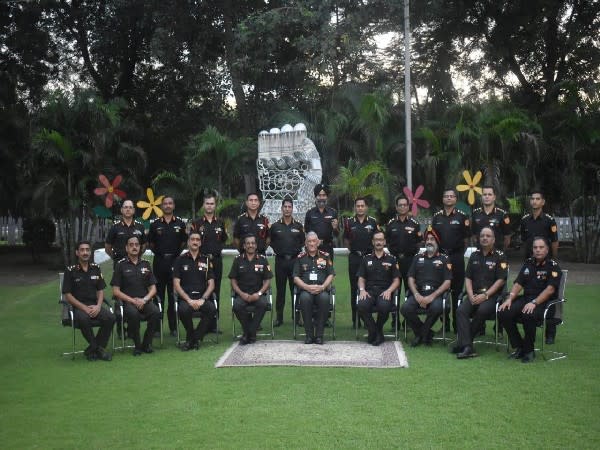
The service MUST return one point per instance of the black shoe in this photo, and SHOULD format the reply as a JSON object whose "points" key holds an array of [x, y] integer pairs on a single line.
{"points": [[278, 323], [416, 341], [457, 349], [252, 338], [528, 357], [468, 352], [187, 346], [90, 354], [214, 330], [429, 339], [137, 351], [378, 340], [103, 355], [328, 324], [148, 349], [157, 334], [549, 340], [517, 354], [371, 337], [244, 340], [308, 340], [319, 341]]}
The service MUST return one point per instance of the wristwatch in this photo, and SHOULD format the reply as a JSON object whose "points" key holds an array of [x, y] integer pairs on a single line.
{"points": [[534, 301]]}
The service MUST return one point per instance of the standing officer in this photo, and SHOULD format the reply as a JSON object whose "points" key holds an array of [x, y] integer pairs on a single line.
{"points": [[166, 239], [287, 238], [378, 278], [489, 215], [486, 274], [134, 284], [193, 281], [214, 235], [540, 279], [403, 237], [322, 219], [429, 277], [358, 237], [313, 274], [452, 226], [250, 277], [538, 223], [83, 287], [254, 223], [121, 231]]}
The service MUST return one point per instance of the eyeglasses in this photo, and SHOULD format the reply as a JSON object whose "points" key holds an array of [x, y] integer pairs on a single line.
{"points": [[449, 196]]}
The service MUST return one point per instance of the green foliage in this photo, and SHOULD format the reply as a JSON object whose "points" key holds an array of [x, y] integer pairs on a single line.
{"points": [[39, 233]]}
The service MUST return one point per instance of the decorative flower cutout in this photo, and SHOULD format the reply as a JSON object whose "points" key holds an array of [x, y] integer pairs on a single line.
{"points": [[151, 205], [415, 200], [110, 189], [471, 185]]}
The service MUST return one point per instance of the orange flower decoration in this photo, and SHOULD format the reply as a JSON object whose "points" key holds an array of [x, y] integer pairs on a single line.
{"points": [[151, 205], [471, 185], [109, 189]]}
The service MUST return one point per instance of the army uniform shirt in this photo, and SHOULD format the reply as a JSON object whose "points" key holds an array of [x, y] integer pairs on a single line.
{"points": [[83, 285]]}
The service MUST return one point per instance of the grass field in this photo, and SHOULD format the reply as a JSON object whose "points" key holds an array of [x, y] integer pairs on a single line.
{"points": [[172, 399]]}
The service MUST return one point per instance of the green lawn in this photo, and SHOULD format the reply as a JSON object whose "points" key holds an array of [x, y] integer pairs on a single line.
{"points": [[178, 400]]}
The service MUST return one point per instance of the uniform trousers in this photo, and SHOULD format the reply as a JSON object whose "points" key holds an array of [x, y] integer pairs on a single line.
{"points": [[217, 263], [354, 261], [411, 309], [249, 314], [105, 320], [162, 266], [467, 328], [375, 303], [458, 279], [317, 307], [404, 264], [206, 312], [284, 268], [510, 317], [133, 316]]}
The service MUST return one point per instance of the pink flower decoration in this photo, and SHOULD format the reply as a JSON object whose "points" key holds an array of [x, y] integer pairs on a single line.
{"points": [[415, 200], [110, 189]]}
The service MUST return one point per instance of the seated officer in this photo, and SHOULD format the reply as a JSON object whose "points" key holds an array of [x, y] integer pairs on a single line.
{"points": [[540, 279], [83, 287], [485, 277], [429, 277], [134, 284], [193, 280], [313, 275], [250, 277], [378, 278]]}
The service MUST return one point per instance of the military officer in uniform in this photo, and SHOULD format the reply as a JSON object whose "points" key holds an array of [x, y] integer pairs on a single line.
{"points": [[403, 236], [489, 215], [250, 277], [378, 278], [166, 239], [287, 238], [538, 223], [83, 287], [134, 284], [485, 278], [452, 226], [313, 275], [322, 219], [358, 237], [193, 280], [539, 278], [121, 231], [254, 223], [429, 277], [214, 235]]}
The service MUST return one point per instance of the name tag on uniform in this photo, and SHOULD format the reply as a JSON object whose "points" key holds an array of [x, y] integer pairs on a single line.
{"points": [[312, 276]]}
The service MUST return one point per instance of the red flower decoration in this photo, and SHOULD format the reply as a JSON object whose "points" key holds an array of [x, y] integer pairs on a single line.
{"points": [[414, 198], [110, 189]]}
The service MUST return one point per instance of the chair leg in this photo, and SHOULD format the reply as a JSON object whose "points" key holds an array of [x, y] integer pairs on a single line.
{"points": [[73, 328]]}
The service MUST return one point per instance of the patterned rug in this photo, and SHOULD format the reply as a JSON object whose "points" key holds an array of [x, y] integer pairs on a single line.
{"points": [[332, 354]]}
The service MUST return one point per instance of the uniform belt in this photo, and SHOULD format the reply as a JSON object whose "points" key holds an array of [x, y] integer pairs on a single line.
{"points": [[426, 287], [481, 291], [400, 255], [358, 252], [166, 255], [287, 257]]}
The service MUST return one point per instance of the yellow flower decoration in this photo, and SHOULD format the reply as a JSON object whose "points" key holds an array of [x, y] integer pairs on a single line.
{"points": [[151, 204], [471, 185]]}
